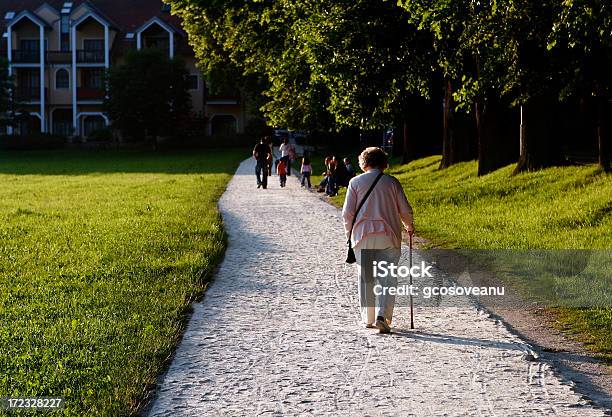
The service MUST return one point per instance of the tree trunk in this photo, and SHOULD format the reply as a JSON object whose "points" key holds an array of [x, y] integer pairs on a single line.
{"points": [[484, 139], [492, 144], [603, 140], [525, 160], [537, 149], [458, 131], [448, 142]]}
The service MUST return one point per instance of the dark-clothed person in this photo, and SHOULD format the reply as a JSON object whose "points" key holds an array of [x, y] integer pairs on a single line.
{"points": [[262, 154]]}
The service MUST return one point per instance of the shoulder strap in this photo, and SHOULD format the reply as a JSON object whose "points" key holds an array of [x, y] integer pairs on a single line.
{"points": [[365, 197]]}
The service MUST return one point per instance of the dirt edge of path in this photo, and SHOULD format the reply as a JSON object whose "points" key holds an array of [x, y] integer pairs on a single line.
{"points": [[588, 375]]}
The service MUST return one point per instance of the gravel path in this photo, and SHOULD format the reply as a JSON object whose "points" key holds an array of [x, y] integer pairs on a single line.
{"points": [[278, 333]]}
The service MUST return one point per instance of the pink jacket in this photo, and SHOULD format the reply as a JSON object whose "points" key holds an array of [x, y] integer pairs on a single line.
{"points": [[383, 212]]}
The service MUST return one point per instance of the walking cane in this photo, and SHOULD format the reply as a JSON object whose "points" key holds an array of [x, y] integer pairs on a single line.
{"points": [[411, 306]]}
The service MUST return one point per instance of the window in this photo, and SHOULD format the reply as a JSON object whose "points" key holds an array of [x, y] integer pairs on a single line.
{"points": [[28, 78], [27, 86], [62, 122], [192, 81], [62, 79], [96, 45], [92, 78], [9, 15], [158, 42], [93, 51], [28, 124], [29, 45], [93, 123]]}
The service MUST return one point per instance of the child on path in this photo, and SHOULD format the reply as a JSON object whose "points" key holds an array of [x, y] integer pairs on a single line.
{"points": [[281, 170], [306, 170]]}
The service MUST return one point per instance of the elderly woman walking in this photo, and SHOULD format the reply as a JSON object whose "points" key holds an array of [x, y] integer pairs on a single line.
{"points": [[376, 226]]}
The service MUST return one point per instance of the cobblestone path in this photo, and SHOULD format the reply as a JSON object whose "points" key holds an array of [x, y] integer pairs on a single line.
{"points": [[278, 333]]}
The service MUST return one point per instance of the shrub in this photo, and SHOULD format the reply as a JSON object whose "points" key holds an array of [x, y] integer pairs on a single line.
{"points": [[35, 141], [100, 135], [256, 127]]}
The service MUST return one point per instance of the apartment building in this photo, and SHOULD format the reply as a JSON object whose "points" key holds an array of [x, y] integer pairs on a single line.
{"points": [[58, 51]]}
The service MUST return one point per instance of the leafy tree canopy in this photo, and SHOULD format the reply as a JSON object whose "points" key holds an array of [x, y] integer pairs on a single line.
{"points": [[148, 94]]}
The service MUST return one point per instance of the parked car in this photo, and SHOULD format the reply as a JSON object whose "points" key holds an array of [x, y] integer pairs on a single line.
{"points": [[387, 142], [279, 136], [299, 137]]}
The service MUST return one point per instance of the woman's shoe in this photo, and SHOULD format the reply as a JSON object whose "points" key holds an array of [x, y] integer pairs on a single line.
{"points": [[382, 326]]}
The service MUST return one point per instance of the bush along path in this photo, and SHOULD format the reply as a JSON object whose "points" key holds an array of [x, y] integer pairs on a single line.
{"points": [[278, 333]]}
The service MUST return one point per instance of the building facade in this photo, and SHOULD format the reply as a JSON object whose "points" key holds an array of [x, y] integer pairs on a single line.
{"points": [[58, 52]]}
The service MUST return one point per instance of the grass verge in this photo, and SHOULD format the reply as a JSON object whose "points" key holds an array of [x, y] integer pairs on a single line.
{"points": [[555, 208], [100, 256]]}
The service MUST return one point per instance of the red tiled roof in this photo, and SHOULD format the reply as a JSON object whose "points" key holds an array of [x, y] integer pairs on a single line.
{"points": [[126, 15]]}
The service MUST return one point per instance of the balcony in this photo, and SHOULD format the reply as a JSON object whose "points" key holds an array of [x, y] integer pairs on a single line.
{"points": [[89, 93], [59, 57], [27, 94], [90, 57], [21, 56], [228, 99]]}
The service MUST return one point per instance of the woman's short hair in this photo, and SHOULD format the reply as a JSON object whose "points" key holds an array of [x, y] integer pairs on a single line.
{"points": [[374, 158]]}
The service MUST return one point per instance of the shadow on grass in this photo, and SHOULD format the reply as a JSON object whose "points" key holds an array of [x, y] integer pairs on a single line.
{"points": [[79, 162]]}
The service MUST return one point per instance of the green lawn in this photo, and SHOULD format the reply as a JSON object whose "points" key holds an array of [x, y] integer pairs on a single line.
{"points": [[566, 207], [100, 256]]}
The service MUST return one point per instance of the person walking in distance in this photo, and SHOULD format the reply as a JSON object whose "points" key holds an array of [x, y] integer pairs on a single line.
{"points": [[287, 153], [261, 153], [281, 171], [306, 171], [376, 226], [268, 141]]}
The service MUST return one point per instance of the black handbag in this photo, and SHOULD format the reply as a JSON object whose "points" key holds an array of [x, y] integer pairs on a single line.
{"points": [[350, 256]]}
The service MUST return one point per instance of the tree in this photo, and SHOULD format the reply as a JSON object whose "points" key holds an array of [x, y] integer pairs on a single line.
{"points": [[257, 38], [5, 91], [530, 75], [324, 64], [376, 65], [482, 87], [445, 21], [367, 55], [148, 94], [327, 64], [584, 27]]}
